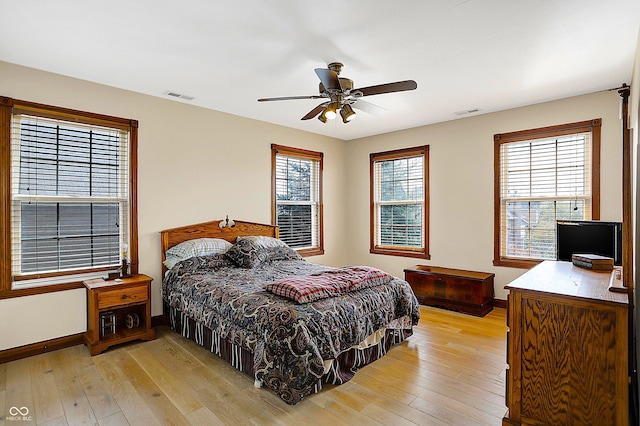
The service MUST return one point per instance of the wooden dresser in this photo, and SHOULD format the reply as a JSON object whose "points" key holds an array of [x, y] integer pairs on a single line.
{"points": [[463, 291], [567, 348]]}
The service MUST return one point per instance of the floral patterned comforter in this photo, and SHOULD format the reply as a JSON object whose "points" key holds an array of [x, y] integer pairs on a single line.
{"points": [[290, 341]]}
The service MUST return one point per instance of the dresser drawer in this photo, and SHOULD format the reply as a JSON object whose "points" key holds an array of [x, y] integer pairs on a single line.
{"points": [[122, 296]]}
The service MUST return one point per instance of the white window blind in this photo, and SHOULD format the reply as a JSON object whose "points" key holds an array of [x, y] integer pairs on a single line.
{"points": [[542, 181], [297, 192], [399, 202], [69, 197]]}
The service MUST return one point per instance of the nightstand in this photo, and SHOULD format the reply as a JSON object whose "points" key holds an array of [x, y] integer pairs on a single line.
{"points": [[118, 311]]}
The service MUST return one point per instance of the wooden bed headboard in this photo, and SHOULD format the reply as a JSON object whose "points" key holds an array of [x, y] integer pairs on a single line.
{"points": [[174, 236]]}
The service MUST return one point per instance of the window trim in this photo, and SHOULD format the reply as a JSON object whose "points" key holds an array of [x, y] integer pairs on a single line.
{"points": [[422, 253], [306, 154], [592, 126], [7, 108]]}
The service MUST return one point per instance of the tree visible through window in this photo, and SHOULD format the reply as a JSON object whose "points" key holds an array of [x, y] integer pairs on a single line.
{"points": [[399, 210], [543, 175], [297, 198]]}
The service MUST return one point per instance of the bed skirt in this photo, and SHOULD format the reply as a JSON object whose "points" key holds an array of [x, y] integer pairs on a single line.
{"points": [[337, 371]]}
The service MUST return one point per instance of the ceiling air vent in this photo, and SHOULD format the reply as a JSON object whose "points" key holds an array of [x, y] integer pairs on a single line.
{"points": [[467, 112], [179, 95]]}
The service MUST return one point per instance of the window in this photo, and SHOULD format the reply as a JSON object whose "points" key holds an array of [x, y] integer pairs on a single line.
{"points": [[297, 198], [68, 184], [400, 202], [541, 176]]}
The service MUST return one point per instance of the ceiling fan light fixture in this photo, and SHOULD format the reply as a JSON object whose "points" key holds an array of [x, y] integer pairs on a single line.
{"points": [[347, 113], [322, 116], [330, 111]]}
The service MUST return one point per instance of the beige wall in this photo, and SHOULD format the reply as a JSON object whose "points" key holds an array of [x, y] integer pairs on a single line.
{"points": [[198, 165], [461, 181], [194, 165]]}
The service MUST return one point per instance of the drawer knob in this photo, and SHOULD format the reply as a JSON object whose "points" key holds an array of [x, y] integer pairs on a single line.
{"points": [[124, 296]]}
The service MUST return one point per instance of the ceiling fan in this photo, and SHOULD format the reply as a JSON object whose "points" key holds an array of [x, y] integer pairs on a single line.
{"points": [[341, 96]]}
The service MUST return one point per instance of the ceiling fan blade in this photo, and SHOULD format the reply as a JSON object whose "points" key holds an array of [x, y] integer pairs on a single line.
{"points": [[317, 110], [368, 107], [289, 98], [398, 86], [329, 79]]}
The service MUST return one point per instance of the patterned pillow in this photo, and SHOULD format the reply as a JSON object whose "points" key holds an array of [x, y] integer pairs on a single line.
{"points": [[198, 247], [263, 241], [282, 253], [247, 253]]}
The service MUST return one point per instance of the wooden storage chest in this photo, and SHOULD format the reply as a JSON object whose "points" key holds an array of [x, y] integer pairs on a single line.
{"points": [[469, 292]]}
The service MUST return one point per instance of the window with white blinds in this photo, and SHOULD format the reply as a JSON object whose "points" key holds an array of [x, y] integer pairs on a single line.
{"points": [[399, 202], [70, 198], [542, 179], [297, 197]]}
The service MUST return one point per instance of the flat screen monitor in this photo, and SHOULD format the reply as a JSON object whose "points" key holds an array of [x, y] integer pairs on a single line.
{"points": [[589, 236]]}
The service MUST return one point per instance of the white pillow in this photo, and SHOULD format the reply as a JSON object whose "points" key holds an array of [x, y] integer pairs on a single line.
{"points": [[170, 261], [197, 247]]}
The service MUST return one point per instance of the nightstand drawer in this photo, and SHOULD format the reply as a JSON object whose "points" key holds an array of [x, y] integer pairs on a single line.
{"points": [[122, 296]]}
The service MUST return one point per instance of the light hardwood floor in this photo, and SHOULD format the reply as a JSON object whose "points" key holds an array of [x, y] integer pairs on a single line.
{"points": [[450, 372]]}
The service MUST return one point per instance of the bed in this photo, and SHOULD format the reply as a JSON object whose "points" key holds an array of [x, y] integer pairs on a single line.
{"points": [[290, 324]]}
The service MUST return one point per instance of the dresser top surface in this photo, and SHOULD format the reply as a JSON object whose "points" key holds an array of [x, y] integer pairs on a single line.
{"points": [[566, 279]]}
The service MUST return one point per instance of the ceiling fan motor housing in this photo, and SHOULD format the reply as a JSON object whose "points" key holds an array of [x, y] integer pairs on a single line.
{"points": [[335, 67], [345, 83]]}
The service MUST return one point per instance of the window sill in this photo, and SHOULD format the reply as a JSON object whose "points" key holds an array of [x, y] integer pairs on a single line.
{"points": [[8, 294], [517, 263], [311, 252], [401, 253]]}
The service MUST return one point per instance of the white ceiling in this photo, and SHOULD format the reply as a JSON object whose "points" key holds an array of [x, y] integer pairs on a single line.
{"points": [[489, 55]]}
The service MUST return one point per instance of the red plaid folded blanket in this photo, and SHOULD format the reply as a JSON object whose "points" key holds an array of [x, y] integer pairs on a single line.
{"points": [[330, 283]]}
